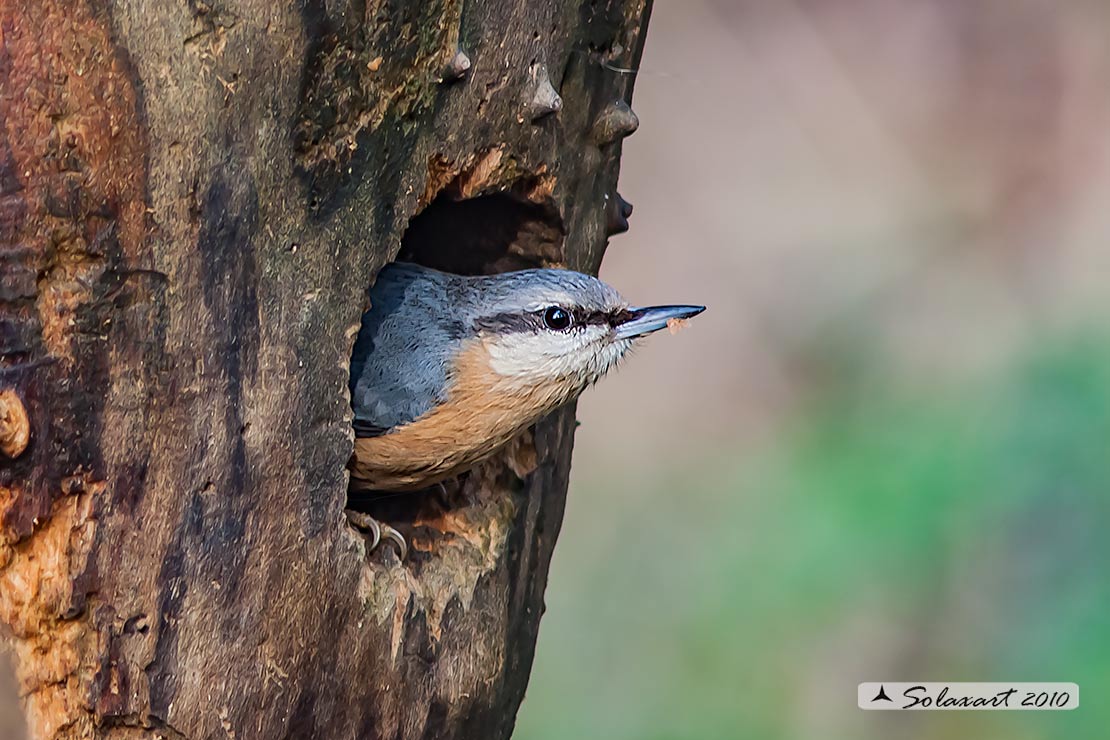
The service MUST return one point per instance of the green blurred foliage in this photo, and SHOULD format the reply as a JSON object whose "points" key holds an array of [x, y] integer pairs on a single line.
{"points": [[887, 533]]}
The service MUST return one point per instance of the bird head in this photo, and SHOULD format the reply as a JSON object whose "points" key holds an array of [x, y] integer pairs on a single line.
{"points": [[559, 329]]}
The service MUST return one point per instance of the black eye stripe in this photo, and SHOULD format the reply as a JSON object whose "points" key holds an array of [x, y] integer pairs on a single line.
{"points": [[600, 318], [585, 317], [511, 321]]}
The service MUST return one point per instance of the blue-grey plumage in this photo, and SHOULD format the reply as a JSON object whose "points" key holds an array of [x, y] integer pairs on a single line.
{"points": [[448, 368], [403, 352]]}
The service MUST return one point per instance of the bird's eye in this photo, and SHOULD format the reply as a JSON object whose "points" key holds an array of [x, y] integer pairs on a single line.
{"points": [[556, 318]]}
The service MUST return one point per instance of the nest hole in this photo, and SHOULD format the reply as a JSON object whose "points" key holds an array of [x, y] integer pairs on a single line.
{"points": [[483, 235]]}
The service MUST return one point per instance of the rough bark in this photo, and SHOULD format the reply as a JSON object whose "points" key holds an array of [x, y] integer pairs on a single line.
{"points": [[194, 199]]}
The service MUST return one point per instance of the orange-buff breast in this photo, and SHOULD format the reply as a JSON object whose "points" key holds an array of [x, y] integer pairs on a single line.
{"points": [[482, 413]]}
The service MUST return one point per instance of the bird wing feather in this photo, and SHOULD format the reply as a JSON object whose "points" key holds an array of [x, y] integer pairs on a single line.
{"points": [[366, 428], [402, 357]]}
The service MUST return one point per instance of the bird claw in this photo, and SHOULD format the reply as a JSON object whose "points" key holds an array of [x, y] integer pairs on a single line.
{"points": [[378, 531], [389, 533]]}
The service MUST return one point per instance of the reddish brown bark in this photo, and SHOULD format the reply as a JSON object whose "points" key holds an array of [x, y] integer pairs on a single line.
{"points": [[193, 202]]}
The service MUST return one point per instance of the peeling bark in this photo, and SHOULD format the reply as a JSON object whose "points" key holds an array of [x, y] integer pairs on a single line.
{"points": [[193, 202]]}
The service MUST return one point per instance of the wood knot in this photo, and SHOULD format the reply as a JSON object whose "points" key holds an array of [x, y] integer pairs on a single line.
{"points": [[615, 122], [544, 99], [456, 68], [15, 427]]}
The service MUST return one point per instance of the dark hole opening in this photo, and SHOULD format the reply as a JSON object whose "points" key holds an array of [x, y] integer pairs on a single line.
{"points": [[484, 235], [476, 236]]}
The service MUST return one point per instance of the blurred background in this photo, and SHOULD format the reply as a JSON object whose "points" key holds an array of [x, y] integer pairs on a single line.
{"points": [[884, 452]]}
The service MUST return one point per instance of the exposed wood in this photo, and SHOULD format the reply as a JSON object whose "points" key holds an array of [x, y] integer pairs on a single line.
{"points": [[194, 199]]}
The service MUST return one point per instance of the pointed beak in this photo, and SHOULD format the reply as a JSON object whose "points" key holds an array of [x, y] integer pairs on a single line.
{"points": [[641, 321]]}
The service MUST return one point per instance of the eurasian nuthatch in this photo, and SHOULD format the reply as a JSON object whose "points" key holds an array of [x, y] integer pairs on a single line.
{"points": [[447, 369]]}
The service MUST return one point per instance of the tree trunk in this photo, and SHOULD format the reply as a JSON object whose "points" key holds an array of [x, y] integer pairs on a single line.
{"points": [[194, 199]]}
